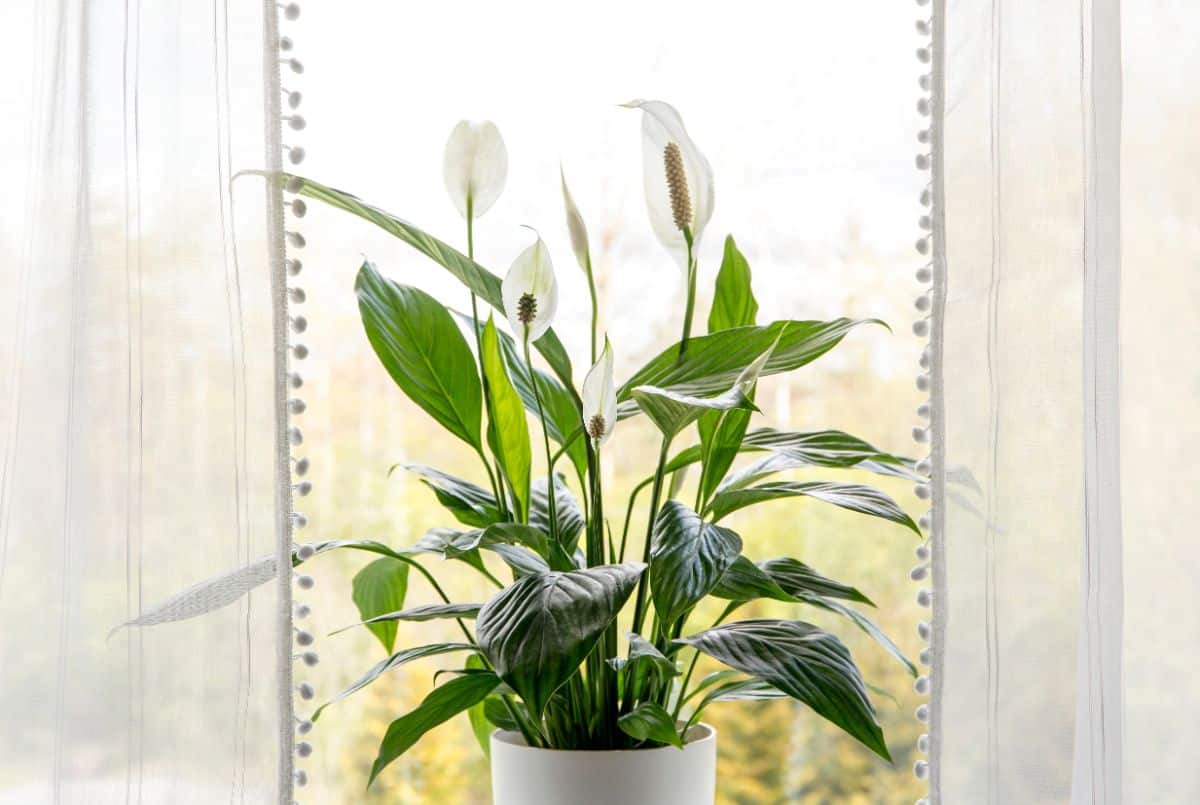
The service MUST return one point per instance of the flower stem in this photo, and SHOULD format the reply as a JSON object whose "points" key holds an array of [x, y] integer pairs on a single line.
{"points": [[551, 504], [639, 610], [595, 309], [690, 307]]}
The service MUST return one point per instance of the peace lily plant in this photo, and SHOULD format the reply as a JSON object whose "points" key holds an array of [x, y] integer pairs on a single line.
{"points": [[590, 640]]}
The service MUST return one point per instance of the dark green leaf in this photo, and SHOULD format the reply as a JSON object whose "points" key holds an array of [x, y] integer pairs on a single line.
{"points": [[797, 578], [566, 511], [508, 430], [522, 562], [394, 661], [650, 722], [866, 624], [671, 411], [687, 559], [643, 654], [713, 362], [378, 588], [470, 504], [855, 497], [497, 713], [422, 349], [477, 713], [746, 581], [536, 632], [721, 435], [804, 662], [445, 702], [478, 279], [425, 612], [733, 300]]}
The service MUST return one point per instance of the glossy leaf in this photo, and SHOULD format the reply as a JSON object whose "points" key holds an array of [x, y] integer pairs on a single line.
{"points": [[470, 504], [566, 510], [536, 632], [746, 581], [671, 411], [866, 624], [806, 663], [650, 722], [459, 694], [687, 559], [713, 362], [424, 612], [733, 304], [423, 350], [378, 588], [643, 654], [478, 279], [797, 578], [855, 497], [394, 661], [508, 429], [477, 713]]}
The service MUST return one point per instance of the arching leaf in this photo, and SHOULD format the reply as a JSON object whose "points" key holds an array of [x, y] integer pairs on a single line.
{"points": [[687, 559], [855, 497], [378, 588]]}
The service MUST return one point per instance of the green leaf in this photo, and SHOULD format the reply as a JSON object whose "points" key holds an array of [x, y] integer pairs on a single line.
{"points": [[746, 581], [804, 662], [797, 578], [650, 722], [721, 435], [378, 588], [536, 632], [478, 279], [425, 612], [497, 713], [642, 653], [459, 694], [855, 497], [508, 430], [470, 504], [713, 362], [423, 350], [392, 662], [522, 562], [566, 510], [687, 559], [563, 417], [866, 624], [477, 713], [733, 300], [671, 411]]}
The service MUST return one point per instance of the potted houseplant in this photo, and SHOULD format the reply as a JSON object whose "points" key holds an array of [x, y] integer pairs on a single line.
{"points": [[580, 668]]}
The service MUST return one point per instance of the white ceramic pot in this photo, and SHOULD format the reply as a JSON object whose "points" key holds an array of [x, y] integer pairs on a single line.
{"points": [[666, 776]]}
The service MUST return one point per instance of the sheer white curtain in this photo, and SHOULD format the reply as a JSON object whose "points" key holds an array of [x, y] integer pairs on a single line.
{"points": [[1066, 384], [140, 296]]}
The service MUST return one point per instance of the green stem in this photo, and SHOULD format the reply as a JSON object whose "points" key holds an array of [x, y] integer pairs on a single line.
{"points": [[683, 696], [637, 490], [690, 308], [537, 396], [595, 308], [639, 611]]}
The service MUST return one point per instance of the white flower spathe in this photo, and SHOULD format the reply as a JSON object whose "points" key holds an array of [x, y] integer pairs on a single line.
{"points": [[530, 292], [663, 132], [600, 398], [475, 166]]}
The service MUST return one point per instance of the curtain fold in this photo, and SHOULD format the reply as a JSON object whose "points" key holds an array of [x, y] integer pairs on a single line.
{"points": [[1066, 313], [141, 449]]}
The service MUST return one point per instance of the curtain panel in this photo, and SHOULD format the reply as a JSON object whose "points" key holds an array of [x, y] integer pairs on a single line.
{"points": [[144, 419], [1065, 318]]}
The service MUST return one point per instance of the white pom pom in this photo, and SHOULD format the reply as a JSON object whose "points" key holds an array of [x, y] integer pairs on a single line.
{"points": [[300, 352], [305, 582], [925, 222], [925, 598], [923, 55], [923, 106], [925, 81], [296, 122], [924, 274], [924, 630], [294, 184], [921, 327], [299, 519], [923, 136], [922, 246], [310, 658], [303, 488], [922, 28], [295, 436], [299, 208], [923, 744], [295, 380], [293, 101], [304, 748], [924, 466], [923, 382], [923, 411], [921, 769], [923, 553], [920, 435], [291, 12], [296, 153], [299, 324], [921, 685], [922, 162], [304, 727], [285, 43], [919, 572], [296, 406], [294, 267], [925, 521], [302, 466], [297, 296], [304, 638], [922, 491], [922, 303], [301, 778], [925, 656], [926, 197], [296, 240], [303, 611], [923, 714], [306, 691]]}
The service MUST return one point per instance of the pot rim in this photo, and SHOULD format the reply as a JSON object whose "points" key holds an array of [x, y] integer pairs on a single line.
{"points": [[699, 735]]}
